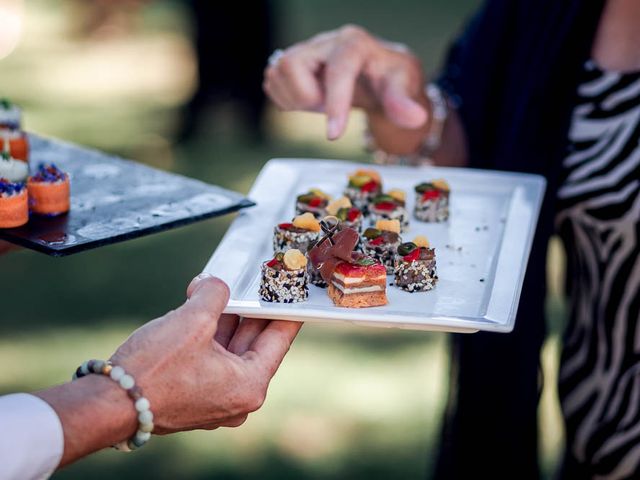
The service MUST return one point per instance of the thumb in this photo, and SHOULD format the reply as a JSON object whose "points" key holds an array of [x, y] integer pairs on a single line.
{"points": [[207, 297], [400, 107]]}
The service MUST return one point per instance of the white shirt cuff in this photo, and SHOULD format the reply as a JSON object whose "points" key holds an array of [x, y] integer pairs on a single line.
{"points": [[31, 437]]}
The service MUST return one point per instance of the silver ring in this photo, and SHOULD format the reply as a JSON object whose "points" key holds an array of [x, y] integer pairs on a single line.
{"points": [[275, 57]]}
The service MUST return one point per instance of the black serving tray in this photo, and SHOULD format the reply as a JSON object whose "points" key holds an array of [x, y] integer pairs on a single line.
{"points": [[113, 200]]}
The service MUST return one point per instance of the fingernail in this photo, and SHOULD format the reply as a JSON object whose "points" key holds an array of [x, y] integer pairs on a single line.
{"points": [[196, 281], [333, 128]]}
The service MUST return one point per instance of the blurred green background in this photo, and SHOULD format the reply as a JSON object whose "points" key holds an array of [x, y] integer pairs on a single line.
{"points": [[348, 402]]}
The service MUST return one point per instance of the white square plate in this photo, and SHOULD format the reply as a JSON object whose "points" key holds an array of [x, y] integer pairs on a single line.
{"points": [[481, 252]]}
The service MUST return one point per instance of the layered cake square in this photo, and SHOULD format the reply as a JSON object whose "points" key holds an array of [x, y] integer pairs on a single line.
{"points": [[361, 283]]}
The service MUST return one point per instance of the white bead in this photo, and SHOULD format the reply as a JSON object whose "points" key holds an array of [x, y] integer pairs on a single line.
{"points": [[84, 368], [127, 382], [116, 373], [143, 436], [145, 417], [142, 404]]}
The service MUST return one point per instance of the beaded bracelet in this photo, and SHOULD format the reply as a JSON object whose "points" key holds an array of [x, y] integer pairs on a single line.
{"points": [[126, 381]]}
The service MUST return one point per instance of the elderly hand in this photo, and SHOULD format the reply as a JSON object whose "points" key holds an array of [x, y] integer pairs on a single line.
{"points": [[198, 369], [203, 370], [345, 68]]}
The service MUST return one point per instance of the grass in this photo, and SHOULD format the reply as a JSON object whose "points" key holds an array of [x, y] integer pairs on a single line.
{"points": [[348, 402]]}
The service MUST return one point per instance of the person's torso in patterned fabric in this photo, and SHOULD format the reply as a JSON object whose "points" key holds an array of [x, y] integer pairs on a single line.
{"points": [[598, 212]]}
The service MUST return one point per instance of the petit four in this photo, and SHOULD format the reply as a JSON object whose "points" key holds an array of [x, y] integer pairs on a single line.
{"points": [[415, 267], [49, 191], [355, 280], [382, 241], [359, 283], [432, 201], [363, 186], [14, 207], [300, 233], [284, 278], [349, 216], [314, 201], [390, 206]]}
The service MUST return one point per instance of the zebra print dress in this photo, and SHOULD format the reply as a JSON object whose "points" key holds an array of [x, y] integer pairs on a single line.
{"points": [[598, 221]]}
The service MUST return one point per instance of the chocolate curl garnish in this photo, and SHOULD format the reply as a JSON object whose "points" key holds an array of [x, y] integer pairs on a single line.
{"points": [[333, 248]]}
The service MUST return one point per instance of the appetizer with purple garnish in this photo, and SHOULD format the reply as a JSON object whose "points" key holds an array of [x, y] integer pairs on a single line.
{"points": [[49, 191], [14, 207]]}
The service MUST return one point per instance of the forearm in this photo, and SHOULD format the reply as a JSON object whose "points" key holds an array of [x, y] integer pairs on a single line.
{"points": [[395, 140], [95, 413]]}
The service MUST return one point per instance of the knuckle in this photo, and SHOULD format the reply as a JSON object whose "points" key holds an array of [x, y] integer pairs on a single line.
{"points": [[351, 30], [270, 72], [236, 422], [254, 400], [304, 97], [286, 64]]}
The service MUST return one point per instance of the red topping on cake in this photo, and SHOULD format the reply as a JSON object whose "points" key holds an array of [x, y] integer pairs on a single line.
{"points": [[353, 214], [315, 202], [388, 206], [413, 256], [272, 263], [377, 241], [355, 270], [371, 186], [285, 226], [430, 195]]}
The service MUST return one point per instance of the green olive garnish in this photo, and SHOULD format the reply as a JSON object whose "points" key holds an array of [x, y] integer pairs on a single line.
{"points": [[365, 261], [424, 187], [279, 256], [406, 248], [371, 233], [306, 198], [384, 198], [342, 214]]}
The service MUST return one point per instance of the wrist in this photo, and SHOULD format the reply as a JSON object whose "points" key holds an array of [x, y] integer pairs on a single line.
{"points": [[390, 144], [94, 412], [392, 139]]}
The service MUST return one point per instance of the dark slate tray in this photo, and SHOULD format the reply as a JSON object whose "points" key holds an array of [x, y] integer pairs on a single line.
{"points": [[113, 200]]}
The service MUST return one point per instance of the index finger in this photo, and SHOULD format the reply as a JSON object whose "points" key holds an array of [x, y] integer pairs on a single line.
{"points": [[274, 342], [341, 73]]}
